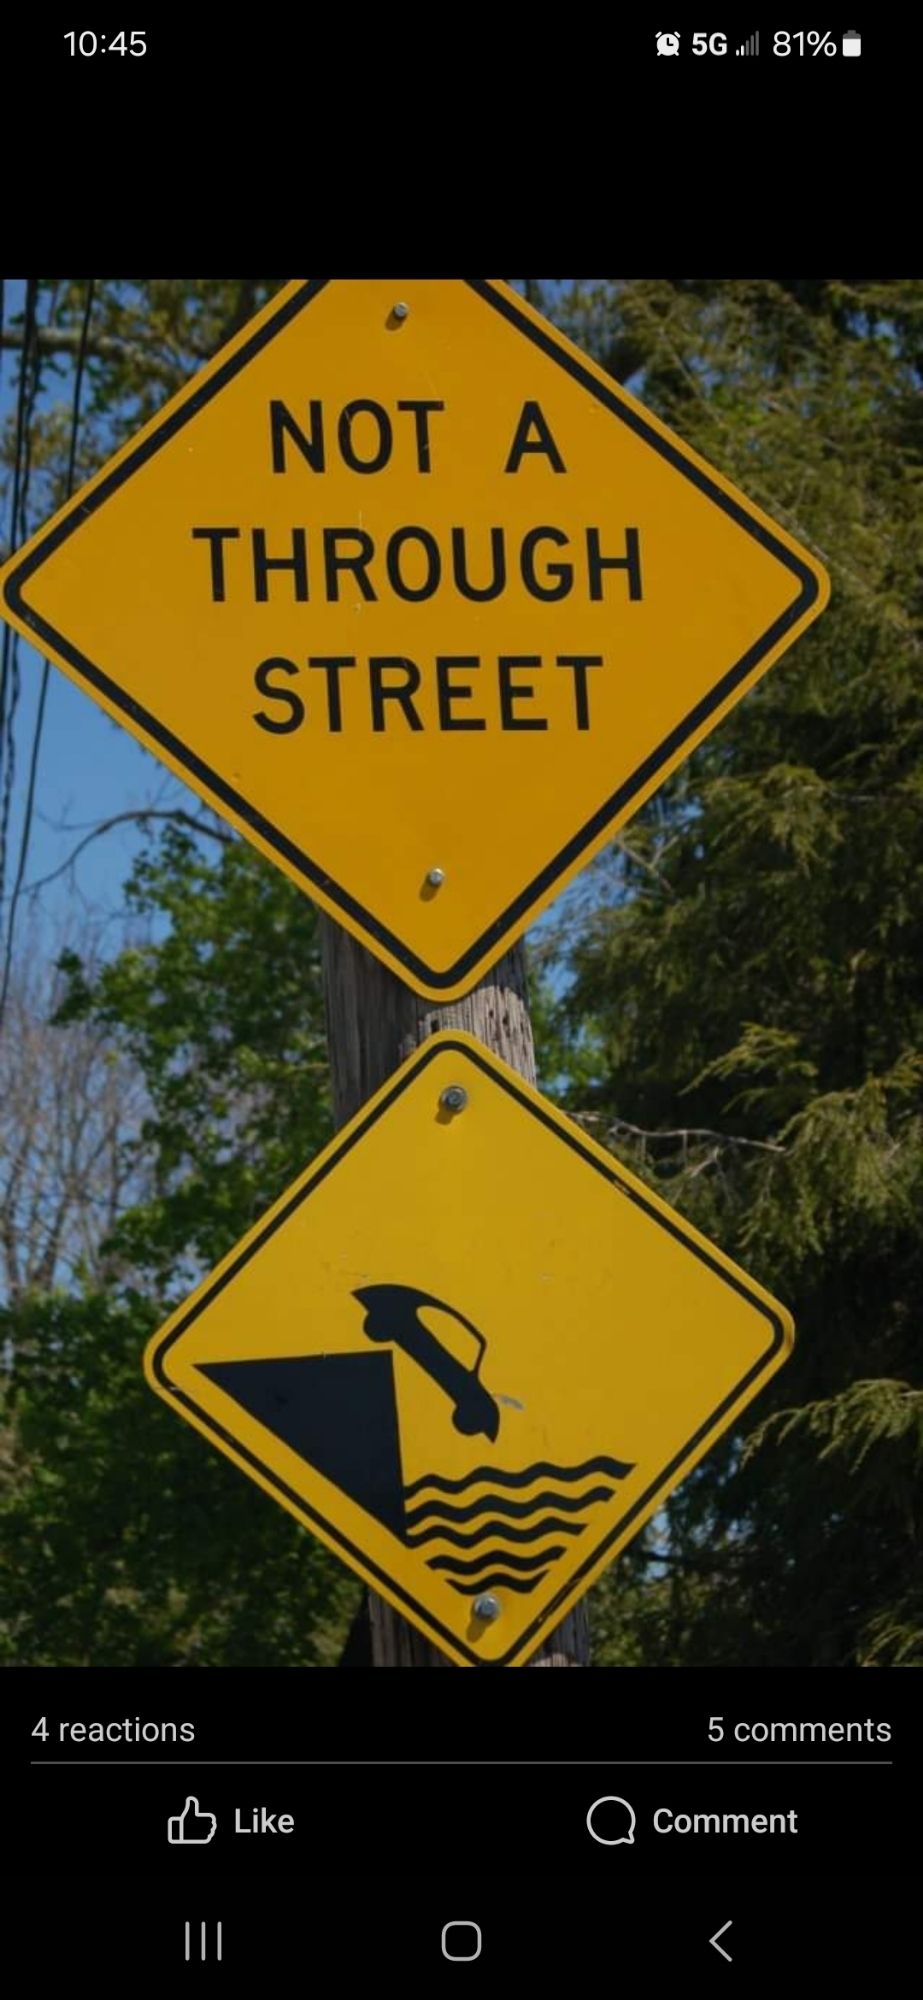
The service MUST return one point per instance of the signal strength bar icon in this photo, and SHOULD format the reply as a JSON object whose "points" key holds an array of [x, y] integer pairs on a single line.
{"points": [[751, 47]]}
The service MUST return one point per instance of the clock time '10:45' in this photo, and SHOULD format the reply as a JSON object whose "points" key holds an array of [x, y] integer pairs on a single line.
{"points": [[128, 42]]}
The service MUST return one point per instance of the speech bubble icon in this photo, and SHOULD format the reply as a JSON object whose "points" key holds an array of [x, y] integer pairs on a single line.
{"points": [[624, 1819]]}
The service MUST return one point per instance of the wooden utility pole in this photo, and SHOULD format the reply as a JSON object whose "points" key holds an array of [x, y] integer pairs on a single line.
{"points": [[374, 1022]]}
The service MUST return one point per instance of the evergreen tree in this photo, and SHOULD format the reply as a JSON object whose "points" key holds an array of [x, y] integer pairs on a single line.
{"points": [[740, 1021], [745, 997]]}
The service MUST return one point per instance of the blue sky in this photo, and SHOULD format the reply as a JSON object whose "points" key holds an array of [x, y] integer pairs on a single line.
{"points": [[90, 768]]}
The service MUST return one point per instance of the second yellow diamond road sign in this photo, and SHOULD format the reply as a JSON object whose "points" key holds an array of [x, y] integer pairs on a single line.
{"points": [[420, 599], [470, 1351]]}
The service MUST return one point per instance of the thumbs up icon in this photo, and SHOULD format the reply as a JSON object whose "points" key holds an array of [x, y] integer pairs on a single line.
{"points": [[191, 1828]]}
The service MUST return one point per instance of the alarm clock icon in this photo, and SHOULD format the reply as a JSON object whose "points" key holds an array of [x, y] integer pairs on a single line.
{"points": [[667, 45]]}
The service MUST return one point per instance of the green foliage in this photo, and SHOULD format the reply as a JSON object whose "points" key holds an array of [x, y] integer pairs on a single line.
{"points": [[732, 1001], [126, 1541], [750, 980], [223, 1013]]}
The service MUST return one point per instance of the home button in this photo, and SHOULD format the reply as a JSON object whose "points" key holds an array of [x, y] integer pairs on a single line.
{"points": [[461, 1941]]}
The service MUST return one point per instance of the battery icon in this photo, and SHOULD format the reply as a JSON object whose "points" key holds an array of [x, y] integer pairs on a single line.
{"points": [[852, 43]]}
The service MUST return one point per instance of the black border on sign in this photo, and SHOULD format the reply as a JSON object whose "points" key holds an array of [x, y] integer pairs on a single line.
{"points": [[529, 1638], [517, 912]]}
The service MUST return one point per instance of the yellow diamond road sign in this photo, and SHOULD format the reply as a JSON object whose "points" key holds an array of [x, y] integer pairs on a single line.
{"points": [[470, 1351], [414, 594]]}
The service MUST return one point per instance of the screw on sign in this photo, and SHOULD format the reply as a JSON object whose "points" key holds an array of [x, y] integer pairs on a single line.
{"points": [[401, 547], [470, 1351], [398, 550]]}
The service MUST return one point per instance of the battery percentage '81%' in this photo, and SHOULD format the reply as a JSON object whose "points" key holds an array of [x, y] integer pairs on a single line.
{"points": [[806, 42]]}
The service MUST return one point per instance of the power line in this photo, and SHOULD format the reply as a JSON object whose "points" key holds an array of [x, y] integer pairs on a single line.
{"points": [[43, 690], [9, 651]]}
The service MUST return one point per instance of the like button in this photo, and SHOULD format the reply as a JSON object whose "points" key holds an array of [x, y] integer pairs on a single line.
{"points": [[191, 1828]]}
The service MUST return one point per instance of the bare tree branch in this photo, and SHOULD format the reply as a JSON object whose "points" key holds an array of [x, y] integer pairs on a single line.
{"points": [[141, 814], [72, 1103], [642, 861], [684, 1132]]}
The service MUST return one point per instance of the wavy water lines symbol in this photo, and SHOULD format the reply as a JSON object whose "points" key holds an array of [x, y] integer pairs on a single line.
{"points": [[493, 1525]]}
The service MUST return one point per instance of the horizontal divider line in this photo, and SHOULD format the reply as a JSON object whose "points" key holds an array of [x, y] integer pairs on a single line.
{"points": [[463, 1763]]}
